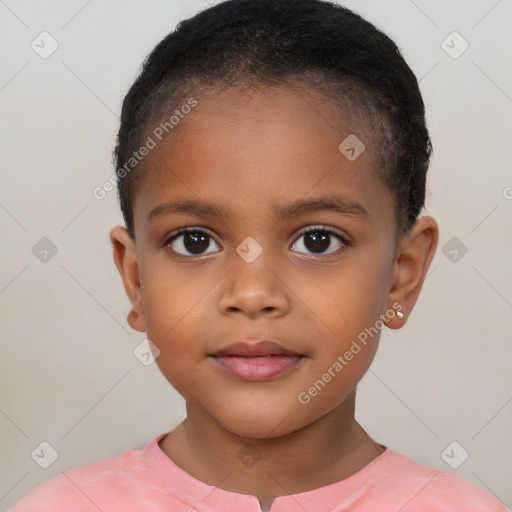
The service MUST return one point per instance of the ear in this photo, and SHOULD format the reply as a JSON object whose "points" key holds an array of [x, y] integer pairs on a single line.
{"points": [[125, 258], [414, 255]]}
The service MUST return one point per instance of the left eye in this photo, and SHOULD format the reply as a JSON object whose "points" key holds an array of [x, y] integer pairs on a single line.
{"points": [[319, 240], [191, 241]]}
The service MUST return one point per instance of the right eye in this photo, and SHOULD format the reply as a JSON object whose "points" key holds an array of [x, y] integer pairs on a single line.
{"points": [[190, 242]]}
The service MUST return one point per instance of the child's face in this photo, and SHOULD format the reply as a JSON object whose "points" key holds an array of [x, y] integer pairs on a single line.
{"points": [[251, 155]]}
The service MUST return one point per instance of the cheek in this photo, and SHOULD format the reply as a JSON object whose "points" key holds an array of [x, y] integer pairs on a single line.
{"points": [[179, 335], [173, 298], [345, 301], [173, 324]]}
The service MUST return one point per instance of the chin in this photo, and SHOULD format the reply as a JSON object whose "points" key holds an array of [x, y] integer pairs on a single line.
{"points": [[263, 431], [258, 423]]}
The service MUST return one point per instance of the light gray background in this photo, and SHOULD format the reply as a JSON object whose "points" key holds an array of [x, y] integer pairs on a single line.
{"points": [[68, 373]]}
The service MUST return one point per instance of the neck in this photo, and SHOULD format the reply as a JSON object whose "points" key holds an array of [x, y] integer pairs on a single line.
{"points": [[324, 452]]}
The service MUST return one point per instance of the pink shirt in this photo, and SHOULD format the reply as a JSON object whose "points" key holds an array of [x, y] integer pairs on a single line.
{"points": [[147, 480]]}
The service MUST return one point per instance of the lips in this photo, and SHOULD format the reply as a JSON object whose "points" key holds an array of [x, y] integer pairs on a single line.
{"points": [[260, 348], [258, 361]]}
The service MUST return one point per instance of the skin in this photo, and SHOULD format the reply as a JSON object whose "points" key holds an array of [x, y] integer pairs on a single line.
{"points": [[250, 153]]}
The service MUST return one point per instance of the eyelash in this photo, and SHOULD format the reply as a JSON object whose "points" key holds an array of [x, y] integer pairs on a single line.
{"points": [[310, 229]]}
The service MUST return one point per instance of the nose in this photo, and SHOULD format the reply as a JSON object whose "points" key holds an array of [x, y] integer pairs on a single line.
{"points": [[254, 289]]}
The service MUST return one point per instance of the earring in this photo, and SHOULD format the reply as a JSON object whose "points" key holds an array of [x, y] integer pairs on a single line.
{"points": [[399, 314]]}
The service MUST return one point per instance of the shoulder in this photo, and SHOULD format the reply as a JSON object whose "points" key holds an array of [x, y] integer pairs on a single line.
{"points": [[424, 488], [85, 487]]}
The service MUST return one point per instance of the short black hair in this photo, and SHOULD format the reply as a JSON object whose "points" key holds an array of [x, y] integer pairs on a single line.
{"points": [[252, 43]]}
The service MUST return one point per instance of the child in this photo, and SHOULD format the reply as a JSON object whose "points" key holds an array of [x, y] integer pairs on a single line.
{"points": [[271, 165]]}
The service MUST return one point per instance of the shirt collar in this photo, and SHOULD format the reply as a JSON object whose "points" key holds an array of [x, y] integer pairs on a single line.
{"points": [[200, 496]]}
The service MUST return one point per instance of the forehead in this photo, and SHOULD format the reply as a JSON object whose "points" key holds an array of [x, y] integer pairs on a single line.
{"points": [[249, 150]]}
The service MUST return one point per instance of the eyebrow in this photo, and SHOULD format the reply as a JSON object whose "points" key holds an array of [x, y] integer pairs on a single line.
{"points": [[199, 207]]}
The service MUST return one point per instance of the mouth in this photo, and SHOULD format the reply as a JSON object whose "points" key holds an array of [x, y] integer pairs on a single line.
{"points": [[259, 361]]}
